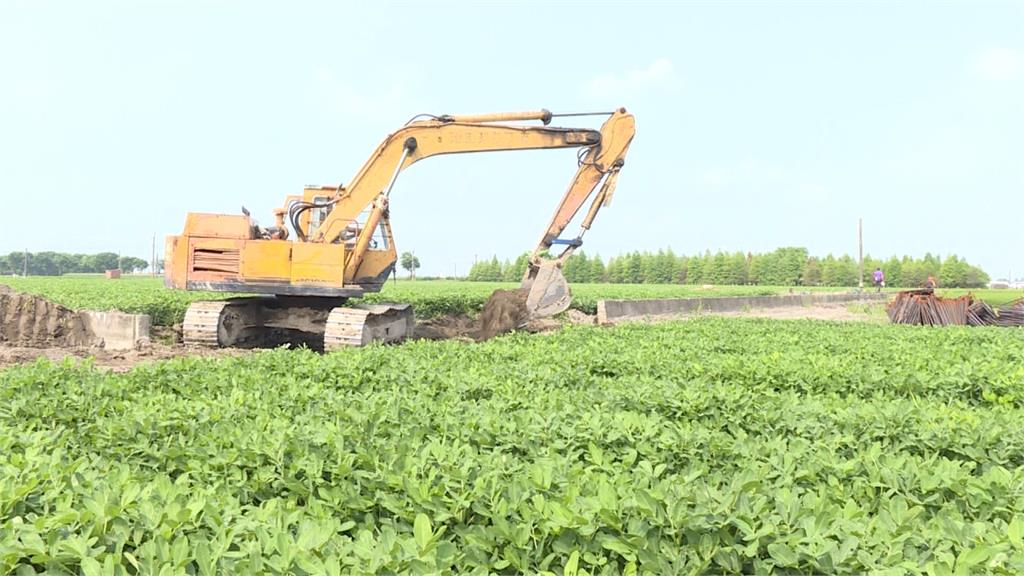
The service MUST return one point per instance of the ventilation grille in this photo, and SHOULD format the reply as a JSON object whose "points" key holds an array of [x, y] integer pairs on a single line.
{"points": [[225, 261]]}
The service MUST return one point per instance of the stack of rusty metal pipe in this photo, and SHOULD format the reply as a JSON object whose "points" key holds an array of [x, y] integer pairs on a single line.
{"points": [[979, 313], [1012, 314], [924, 308]]}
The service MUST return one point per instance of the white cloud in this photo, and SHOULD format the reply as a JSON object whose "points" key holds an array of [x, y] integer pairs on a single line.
{"points": [[999, 64], [630, 82]]}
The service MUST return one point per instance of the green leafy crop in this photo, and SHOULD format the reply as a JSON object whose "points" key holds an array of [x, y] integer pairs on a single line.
{"points": [[708, 446]]}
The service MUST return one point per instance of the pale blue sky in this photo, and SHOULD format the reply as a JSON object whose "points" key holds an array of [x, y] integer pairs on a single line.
{"points": [[759, 124]]}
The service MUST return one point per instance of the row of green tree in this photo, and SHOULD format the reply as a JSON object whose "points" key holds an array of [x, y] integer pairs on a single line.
{"points": [[57, 263], [782, 267]]}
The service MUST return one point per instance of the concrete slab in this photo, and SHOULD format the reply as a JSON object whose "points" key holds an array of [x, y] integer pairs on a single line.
{"points": [[116, 330]]}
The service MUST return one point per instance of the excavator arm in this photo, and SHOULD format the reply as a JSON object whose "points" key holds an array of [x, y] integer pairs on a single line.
{"points": [[601, 156], [479, 133], [597, 164]]}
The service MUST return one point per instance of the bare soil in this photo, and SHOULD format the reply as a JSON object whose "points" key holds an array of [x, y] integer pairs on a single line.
{"points": [[32, 321], [581, 318], [503, 312], [446, 328], [113, 360], [834, 312]]}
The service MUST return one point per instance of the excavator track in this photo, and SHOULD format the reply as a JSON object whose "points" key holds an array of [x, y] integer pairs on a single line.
{"points": [[359, 326], [270, 322], [201, 322], [224, 323]]}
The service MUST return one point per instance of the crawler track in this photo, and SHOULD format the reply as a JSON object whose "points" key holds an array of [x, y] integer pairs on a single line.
{"points": [[270, 322]]}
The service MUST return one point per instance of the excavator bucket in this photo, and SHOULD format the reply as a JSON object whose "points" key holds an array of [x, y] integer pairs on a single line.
{"points": [[548, 290]]}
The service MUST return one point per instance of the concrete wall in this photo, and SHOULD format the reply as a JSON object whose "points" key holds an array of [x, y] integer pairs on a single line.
{"points": [[612, 311], [116, 330]]}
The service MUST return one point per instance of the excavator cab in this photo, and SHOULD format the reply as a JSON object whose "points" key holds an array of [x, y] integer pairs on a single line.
{"points": [[317, 214]]}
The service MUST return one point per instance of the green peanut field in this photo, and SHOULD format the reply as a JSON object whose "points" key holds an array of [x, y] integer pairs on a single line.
{"points": [[715, 445]]}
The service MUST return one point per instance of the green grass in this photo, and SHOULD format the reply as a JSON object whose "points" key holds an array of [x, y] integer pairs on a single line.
{"points": [[993, 297], [711, 446], [874, 311]]}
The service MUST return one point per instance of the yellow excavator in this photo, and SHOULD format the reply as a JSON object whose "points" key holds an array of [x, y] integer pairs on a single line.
{"points": [[339, 245]]}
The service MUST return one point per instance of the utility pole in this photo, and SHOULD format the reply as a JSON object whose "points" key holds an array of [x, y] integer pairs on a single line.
{"points": [[24, 264], [860, 251], [152, 258]]}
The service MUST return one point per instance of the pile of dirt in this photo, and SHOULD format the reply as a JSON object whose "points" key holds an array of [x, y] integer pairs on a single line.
{"points": [[503, 312], [580, 318], [33, 321]]}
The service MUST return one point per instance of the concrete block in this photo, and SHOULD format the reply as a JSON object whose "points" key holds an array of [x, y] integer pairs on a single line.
{"points": [[116, 330]]}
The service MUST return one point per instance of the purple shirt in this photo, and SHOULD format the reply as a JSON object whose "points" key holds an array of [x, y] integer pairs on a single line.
{"points": [[878, 275]]}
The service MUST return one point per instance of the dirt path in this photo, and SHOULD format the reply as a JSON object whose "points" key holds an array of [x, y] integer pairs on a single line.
{"points": [[846, 312]]}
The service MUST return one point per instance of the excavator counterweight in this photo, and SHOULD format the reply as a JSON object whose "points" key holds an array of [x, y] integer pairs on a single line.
{"points": [[333, 243]]}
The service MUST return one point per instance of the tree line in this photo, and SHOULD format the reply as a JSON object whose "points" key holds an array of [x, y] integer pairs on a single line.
{"points": [[57, 263], [791, 266]]}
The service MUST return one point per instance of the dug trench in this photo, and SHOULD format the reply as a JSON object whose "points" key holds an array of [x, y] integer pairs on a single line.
{"points": [[32, 327]]}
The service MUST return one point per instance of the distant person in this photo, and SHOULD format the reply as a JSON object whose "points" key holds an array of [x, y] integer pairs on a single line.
{"points": [[879, 279], [930, 284]]}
